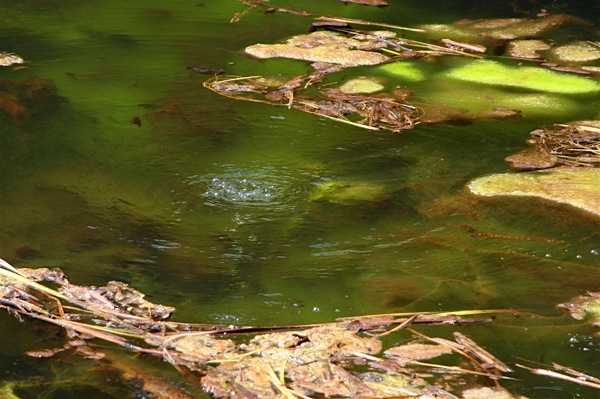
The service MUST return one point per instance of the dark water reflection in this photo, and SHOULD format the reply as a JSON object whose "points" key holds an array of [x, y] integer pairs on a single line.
{"points": [[244, 214]]}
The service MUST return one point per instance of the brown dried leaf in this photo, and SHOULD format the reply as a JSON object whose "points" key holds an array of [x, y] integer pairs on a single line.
{"points": [[407, 353], [247, 378], [367, 323], [44, 353], [89, 353], [476, 48], [201, 348], [133, 301], [531, 159], [434, 114], [227, 86]]}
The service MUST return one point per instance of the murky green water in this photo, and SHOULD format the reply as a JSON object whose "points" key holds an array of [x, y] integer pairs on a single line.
{"points": [[212, 205]]}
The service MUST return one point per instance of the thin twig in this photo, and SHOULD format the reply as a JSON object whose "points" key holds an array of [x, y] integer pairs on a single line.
{"points": [[559, 376]]}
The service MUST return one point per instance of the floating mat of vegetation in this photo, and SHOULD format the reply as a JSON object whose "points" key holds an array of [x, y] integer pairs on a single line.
{"points": [[531, 78]]}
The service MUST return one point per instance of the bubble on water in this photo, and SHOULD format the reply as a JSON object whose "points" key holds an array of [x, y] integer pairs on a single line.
{"points": [[584, 343]]}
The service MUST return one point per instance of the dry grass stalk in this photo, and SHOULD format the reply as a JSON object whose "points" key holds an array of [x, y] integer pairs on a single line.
{"points": [[578, 378]]}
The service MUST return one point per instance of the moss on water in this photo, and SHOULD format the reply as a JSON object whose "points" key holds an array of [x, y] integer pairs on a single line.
{"points": [[405, 70], [477, 98], [361, 85], [573, 186], [347, 192]]}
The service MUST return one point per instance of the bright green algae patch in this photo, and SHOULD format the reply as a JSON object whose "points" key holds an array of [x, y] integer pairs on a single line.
{"points": [[478, 98], [528, 77], [574, 186], [347, 192], [405, 70]]}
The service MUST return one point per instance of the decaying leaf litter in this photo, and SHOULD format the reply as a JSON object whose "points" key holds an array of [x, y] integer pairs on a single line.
{"points": [[576, 144], [342, 358], [333, 44]]}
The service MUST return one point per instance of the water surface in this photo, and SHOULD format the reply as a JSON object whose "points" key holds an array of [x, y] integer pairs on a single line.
{"points": [[210, 204]]}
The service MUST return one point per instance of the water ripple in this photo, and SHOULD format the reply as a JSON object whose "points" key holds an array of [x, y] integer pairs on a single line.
{"points": [[276, 188]]}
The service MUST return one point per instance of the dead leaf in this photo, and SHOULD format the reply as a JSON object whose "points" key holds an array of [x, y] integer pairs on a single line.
{"points": [[405, 354]]}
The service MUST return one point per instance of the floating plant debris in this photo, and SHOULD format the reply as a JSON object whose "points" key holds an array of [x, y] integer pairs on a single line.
{"points": [[332, 45], [529, 49], [8, 59], [584, 307], [205, 69], [268, 8], [530, 159], [293, 361], [369, 112], [504, 28], [323, 46], [576, 144]]}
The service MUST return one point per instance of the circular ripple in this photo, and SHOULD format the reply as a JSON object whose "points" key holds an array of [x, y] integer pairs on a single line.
{"points": [[275, 188]]}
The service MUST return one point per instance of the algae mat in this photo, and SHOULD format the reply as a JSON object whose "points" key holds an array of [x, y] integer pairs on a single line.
{"points": [[525, 77], [574, 186]]}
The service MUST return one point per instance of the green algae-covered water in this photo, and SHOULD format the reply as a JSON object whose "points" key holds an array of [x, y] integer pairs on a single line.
{"points": [[240, 213]]}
